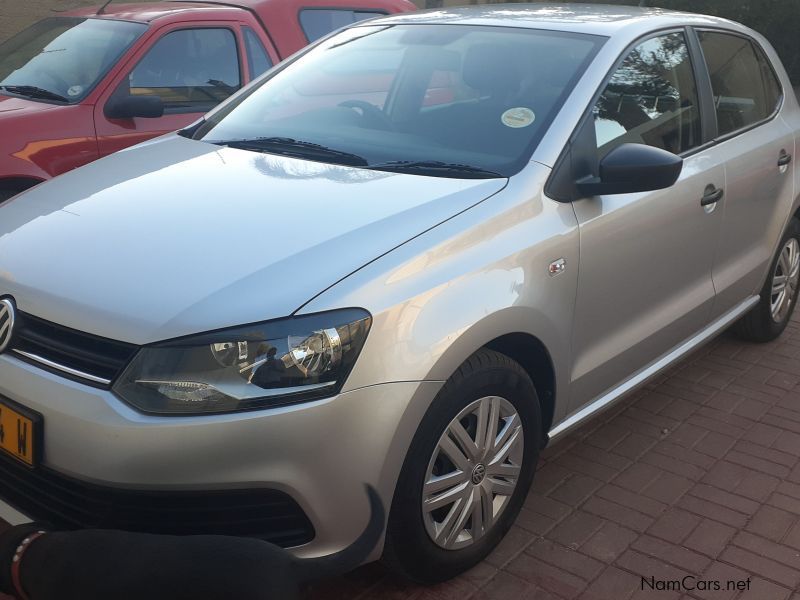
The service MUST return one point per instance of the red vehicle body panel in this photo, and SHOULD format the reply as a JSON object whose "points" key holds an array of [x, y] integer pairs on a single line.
{"points": [[40, 140]]}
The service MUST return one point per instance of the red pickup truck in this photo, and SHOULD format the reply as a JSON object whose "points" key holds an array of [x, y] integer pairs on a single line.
{"points": [[89, 82]]}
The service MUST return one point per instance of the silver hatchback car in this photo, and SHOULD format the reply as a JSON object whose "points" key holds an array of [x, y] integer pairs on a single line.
{"points": [[407, 257]]}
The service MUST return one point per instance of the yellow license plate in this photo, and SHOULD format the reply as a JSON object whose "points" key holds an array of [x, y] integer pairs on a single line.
{"points": [[19, 433]]}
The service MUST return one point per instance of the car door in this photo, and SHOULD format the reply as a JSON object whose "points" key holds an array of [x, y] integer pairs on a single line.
{"points": [[645, 258], [191, 69], [757, 146]]}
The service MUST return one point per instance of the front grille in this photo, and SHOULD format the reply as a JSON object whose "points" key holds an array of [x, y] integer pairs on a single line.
{"points": [[63, 502], [78, 353]]}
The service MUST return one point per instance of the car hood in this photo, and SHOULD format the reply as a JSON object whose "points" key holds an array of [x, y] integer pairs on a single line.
{"points": [[20, 106], [175, 236]]}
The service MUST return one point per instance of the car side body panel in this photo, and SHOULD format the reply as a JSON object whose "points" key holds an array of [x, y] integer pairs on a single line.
{"points": [[482, 274]]}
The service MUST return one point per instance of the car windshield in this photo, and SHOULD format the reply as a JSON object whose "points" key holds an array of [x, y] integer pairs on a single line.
{"points": [[63, 58], [440, 100]]}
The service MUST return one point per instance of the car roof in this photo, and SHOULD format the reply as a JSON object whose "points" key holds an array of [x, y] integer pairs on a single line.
{"points": [[596, 19], [146, 12], [143, 12]]}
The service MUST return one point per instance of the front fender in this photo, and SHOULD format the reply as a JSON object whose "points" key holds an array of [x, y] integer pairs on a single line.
{"points": [[480, 275]]}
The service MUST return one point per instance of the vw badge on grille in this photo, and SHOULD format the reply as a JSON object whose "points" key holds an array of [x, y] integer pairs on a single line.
{"points": [[7, 318]]}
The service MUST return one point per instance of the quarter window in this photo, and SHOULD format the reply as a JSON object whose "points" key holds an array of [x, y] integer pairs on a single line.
{"points": [[190, 69], [258, 60], [746, 90], [319, 22], [651, 99]]}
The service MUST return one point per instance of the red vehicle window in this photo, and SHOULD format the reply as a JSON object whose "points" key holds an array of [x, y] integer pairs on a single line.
{"points": [[319, 22], [191, 70], [258, 61]]}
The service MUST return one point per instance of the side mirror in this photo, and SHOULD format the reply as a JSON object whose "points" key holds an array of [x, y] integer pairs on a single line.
{"points": [[633, 168], [128, 107]]}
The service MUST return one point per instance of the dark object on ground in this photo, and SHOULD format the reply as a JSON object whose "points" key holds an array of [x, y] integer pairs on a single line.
{"points": [[131, 566]]}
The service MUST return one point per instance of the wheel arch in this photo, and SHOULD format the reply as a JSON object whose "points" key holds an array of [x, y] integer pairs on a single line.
{"points": [[534, 357]]}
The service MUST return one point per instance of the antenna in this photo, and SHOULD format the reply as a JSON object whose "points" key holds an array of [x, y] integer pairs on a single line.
{"points": [[102, 9]]}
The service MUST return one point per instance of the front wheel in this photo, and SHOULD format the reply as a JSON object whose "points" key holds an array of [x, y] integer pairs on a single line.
{"points": [[467, 472], [767, 320]]}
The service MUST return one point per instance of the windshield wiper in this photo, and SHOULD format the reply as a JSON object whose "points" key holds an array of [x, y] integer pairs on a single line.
{"points": [[31, 91], [296, 148], [436, 168]]}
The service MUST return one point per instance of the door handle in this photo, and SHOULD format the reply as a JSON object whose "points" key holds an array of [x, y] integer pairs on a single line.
{"points": [[712, 195], [784, 159]]}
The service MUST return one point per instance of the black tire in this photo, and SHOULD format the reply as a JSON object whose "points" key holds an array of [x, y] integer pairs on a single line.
{"points": [[758, 324], [409, 550]]}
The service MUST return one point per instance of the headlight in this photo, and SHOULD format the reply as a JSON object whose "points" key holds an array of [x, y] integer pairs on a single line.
{"points": [[254, 366]]}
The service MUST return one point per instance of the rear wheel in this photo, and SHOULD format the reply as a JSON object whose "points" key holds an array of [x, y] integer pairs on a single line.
{"points": [[467, 472], [779, 295]]}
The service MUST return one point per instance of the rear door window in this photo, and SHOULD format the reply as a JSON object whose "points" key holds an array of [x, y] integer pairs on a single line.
{"points": [[746, 89], [191, 70], [258, 60], [319, 22]]}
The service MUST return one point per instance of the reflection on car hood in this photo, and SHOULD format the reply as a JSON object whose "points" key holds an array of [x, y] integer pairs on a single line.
{"points": [[176, 236]]}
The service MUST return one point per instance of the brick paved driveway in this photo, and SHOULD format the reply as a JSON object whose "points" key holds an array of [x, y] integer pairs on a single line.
{"points": [[698, 474]]}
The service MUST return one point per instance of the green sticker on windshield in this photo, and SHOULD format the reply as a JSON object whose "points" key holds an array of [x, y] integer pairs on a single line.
{"points": [[518, 117]]}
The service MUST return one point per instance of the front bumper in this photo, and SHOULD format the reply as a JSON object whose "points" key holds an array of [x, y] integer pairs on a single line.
{"points": [[318, 454]]}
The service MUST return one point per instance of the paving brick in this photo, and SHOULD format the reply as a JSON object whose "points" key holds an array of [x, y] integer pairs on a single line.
{"points": [[725, 476], [758, 464], [763, 567], [549, 478], [786, 503], [609, 542], [583, 466], [768, 549], [764, 590], [575, 489], [546, 506], [634, 445], [647, 566], [678, 556], [668, 488], [603, 457], [726, 499], [675, 525], [687, 435], [793, 537], [762, 434], [713, 511], [546, 576], [512, 544], [787, 488], [608, 436], [612, 584], [632, 500], [756, 486], [673, 464], [775, 456], [788, 442], [622, 515], [534, 522], [709, 538], [638, 476], [565, 558], [715, 444], [722, 573], [575, 529], [771, 523]]}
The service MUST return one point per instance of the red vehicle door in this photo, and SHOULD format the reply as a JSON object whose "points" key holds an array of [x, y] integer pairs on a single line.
{"points": [[190, 66]]}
